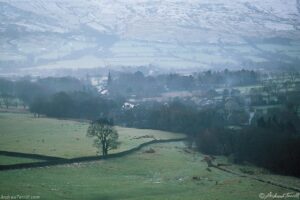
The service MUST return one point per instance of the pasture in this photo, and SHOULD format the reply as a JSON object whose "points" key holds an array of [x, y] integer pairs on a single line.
{"points": [[63, 138], [169, 171], [166, 174]]}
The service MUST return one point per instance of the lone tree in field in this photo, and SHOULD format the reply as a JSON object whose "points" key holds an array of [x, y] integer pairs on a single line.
{"points": [[106, 135]]}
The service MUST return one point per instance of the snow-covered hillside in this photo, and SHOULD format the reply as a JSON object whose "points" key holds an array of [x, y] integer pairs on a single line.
{"points": [[169, 33]]}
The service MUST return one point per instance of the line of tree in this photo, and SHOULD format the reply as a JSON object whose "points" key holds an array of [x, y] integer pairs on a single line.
{"points": [[27, 90], [127, 84], [83, 105]]}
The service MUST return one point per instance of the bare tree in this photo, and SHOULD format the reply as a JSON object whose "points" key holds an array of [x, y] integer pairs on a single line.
{"points": [[7, 99]]}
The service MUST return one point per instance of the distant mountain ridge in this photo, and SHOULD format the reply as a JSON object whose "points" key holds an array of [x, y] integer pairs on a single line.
{"points": [[172, 33]]}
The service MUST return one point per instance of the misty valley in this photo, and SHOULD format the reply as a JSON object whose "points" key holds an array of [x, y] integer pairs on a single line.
{"points": [[154, 100], [237, 123]]}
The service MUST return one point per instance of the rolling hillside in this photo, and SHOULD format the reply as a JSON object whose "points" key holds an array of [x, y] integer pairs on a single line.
{"points": [[85, 34]]}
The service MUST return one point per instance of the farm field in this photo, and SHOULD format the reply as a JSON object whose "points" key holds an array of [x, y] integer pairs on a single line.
{"points": [[168, 172], [63, 138], [165, 174]]}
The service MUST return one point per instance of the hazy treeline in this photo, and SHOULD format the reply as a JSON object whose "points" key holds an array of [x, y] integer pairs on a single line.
{"points": [[271, 142], [78, 104], [138, 84], [174, 116], [64, 97], [27, 90]]}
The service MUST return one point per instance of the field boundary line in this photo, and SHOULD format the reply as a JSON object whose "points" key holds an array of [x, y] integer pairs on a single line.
{"points": [[258, 179], [30, 155], [63, 161]]}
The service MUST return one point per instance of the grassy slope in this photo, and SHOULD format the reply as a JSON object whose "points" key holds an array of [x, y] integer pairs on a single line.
{"points": [[259, 173], [61, 138], [165, 174]]}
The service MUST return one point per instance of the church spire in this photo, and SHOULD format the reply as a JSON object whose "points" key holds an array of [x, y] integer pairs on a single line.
{"points": [[109, 80]]}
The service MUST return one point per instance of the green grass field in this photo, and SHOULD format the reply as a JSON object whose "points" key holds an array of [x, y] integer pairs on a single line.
{"points": [[62, 138], [165, 174]]}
